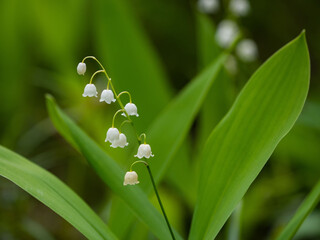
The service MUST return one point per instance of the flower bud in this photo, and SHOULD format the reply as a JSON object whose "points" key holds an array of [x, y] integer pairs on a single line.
{"points": [[121, 142], [208, 6], [247, 50], [81, 68], [90, 91], [130, 178], [112, 135], [226, 33], [144, 150], [131, 109], [107, 96], [239, 7]]}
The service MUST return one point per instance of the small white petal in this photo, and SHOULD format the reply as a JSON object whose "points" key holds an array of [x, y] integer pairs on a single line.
{"points": [[131, 109], [90, 90], [81, 68], [107, 96], [247, 50], [144, 150], [112, 135], [226, 33], [239, 7], [130, 178], [121, 142], [208, 6]]}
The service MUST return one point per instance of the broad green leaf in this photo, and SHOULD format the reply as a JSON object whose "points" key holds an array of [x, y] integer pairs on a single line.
{"points": [[243, 141], [110, 172], [52, 192], [131, 59], [303, 211]]}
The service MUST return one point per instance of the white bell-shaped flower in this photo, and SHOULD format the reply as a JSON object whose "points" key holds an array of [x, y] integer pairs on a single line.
{"points": [[247, 50], [239, 7], [112, 135], [208, 6], [131, 109], [90, 91], [121, 142], [130, 178], [226, 33], [107, 96], [144, 150], [81, 68]]}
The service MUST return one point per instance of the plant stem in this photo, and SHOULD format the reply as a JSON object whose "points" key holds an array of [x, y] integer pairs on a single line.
{"points": [[159, 200]]}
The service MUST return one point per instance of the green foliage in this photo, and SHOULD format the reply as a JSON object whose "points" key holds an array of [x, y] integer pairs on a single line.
{"points": [[52, 192], [243, 141], [109, 171], [131, 59], [173, 125], [304, 210]]}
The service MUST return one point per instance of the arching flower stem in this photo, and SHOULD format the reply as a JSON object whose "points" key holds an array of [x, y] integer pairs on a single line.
{"points": [[157, 194], [125, 92], [114, 116], [144, 138], [95, 74], [114, 92]]}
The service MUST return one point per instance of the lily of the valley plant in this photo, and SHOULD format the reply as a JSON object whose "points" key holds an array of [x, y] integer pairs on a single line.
{"points": [[114, 135]]}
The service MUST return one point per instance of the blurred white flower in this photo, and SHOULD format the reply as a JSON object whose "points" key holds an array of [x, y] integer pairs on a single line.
{"points": [[208, 6], [81, 68], [239, 7], [231, 65], [90, 91], [144, 150], [247, 50], [130, 178], [121, 142], [107, 96], [112, 135], [131, 109], [226, 33]]}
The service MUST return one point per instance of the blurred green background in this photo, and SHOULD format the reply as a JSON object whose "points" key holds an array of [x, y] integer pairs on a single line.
{"points": [[42, 42]]}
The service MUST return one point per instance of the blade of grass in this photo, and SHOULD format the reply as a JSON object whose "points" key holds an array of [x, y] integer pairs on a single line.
{"points": [[52, 192], [301, 214]]}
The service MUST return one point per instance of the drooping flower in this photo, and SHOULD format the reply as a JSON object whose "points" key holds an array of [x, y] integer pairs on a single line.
{"points": [[90, 90], [227, 32], [239, 7], [81, 68], [130, 178], [121, 142], [144, 150], [107, 96], [208, 6], [131, 109], [247, 50], [112, 135]]}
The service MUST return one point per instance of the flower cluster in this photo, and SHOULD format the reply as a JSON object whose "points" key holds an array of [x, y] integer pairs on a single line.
{"points": [[228, 31], [114, 135]]}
